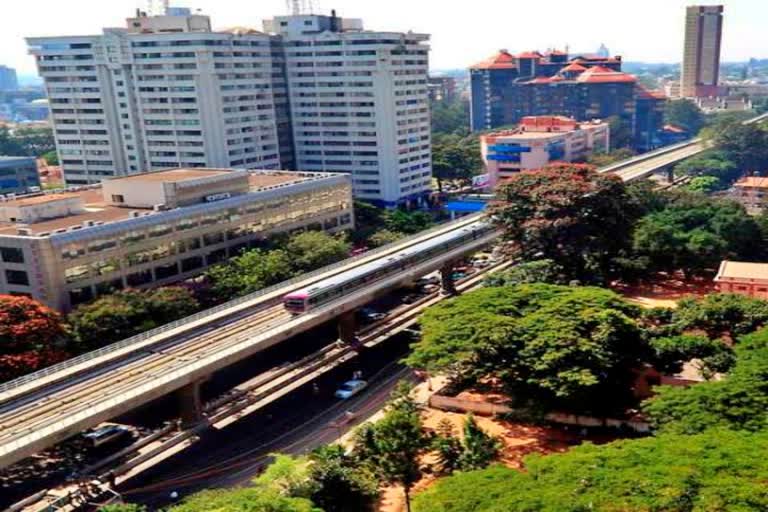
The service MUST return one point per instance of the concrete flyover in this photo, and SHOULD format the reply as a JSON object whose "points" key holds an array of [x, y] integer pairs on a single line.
{"points": [[643, 166], [38, 413]]}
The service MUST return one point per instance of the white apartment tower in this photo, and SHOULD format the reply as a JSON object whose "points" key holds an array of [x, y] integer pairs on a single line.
{"points": [[310, 93], [359, 103], [166, 91]]}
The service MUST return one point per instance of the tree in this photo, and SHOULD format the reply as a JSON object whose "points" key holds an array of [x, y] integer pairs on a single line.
{"points": [[738, 402], [51, 158], [480, 449], [557, 345], [408, 223], [248, 499], [126, 313], [711, 163], [394, 445], [31, 336], [704, 184], [315, 249], [671, 352], [711, 472], [286, 475], [339, 483], [621, 133], [746, 145], [686, 114], [384, 237], [538, 271], [249, 272], [569, 214], [35, 141], [447, 446], [123, 507], [454, 158], [450, 117], [605, 159], [695, 233], [720, 315]]}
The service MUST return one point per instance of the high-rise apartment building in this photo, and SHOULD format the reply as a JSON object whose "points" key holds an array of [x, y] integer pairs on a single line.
{"points": [[701, 56], [506, 88], [311, 92], [359, 103], [8, 79], [166, 91]]}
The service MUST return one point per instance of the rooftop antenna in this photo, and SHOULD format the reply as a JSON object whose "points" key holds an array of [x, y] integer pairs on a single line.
{"points": [[299, 7]]}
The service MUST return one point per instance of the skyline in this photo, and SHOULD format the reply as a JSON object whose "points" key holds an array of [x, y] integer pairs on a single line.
{"points": [[485, 28]]}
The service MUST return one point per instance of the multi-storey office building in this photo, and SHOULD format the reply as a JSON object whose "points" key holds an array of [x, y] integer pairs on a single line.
{"points": [[539, 141], [8, 79], [700, 72], [166, 91], [359, 104], [508, 87], [316, 93], [18, 175], [151, 229]]}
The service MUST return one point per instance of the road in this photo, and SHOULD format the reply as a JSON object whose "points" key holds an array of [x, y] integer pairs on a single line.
{"points": [[296, 424]]}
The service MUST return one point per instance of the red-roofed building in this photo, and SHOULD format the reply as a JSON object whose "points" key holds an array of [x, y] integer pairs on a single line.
{"points": [[502, 60]]}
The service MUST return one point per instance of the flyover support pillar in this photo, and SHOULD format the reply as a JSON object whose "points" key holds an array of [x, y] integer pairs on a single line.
{"points": [[670, 172], [446, 280], [190, 404], [348, 328]]}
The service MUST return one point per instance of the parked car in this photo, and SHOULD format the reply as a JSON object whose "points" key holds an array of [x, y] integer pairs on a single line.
{"points": [[429, 288], [107, 434], [427, 280], [411, 298], [350, 389], [371, 315]]}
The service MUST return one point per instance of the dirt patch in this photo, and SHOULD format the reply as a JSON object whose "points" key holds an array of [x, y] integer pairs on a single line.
{"points": [[664, 290]]}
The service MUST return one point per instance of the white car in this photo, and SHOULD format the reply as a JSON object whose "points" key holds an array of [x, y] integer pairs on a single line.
{"points": [[350, 389]]}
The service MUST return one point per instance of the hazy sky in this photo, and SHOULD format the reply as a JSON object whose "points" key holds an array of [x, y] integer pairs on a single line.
{"points": [[463, 32]]}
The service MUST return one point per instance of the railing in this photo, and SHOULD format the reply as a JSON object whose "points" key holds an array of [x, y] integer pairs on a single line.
{"points": [[217, 309]]}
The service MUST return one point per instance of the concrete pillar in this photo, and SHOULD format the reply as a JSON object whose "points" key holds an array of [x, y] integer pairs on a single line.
{"points": [[348, 328], [190, 404], [446, 279], [670, 174]]}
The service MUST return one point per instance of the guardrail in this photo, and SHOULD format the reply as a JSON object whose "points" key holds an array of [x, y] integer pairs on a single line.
{"points": [[45, 372]]}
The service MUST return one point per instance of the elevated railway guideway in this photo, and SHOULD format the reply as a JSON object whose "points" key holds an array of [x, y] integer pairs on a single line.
{"points": [[38, 412], [643, 166]]}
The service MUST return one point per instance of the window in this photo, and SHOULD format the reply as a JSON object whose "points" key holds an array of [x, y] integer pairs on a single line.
{"points": [[12, 254], [17, 277], [166, 271], [139, 278], [118, 198], [190, 264]]}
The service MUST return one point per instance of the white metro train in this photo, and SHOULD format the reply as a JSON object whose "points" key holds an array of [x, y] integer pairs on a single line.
{"points": [[334, 287]]}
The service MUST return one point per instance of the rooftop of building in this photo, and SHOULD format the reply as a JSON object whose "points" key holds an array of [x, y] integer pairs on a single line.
{"points": [[94, 210], [174, 175], [753, 182], [6, 158], [741, 270], [543, 127], [503, 59]]}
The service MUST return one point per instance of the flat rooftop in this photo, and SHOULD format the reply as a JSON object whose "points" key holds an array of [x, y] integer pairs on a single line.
{"points": [[98, 211], [742, 270], [173, 175]]}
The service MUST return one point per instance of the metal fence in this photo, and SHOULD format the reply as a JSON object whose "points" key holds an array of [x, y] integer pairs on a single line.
{"points": [[89, 356]]}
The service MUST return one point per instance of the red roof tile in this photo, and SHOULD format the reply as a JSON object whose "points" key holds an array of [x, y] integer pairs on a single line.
{"points": [[502, 60], [644, 92], [600, 74], [573, 67], [530, 55]]}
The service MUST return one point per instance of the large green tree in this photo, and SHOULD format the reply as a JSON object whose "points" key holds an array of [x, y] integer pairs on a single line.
{"points": [[559, 345], [686, 114], [455, 158], [340, 483], [249, 272], [314, 249], [249, 499], [717, 471], [569, 214], [737, 402], [746, 145]]}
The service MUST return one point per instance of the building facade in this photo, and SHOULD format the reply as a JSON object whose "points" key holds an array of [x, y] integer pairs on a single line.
{"points": [[312, 93], [742, 278], [506, 88], [359, 104], [539, 141], [8, 79], [700, 72], [441, 88], [166, 91], [752, 193], [151, 229], [18, 175]]}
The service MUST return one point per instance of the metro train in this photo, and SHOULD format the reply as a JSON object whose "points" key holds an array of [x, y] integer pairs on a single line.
{"points": [[327, 290]]}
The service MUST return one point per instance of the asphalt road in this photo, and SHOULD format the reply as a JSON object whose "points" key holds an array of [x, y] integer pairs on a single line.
{"points": [[296, 424]]}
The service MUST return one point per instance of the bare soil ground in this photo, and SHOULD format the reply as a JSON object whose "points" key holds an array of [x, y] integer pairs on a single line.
{"points": [[664, 290]]}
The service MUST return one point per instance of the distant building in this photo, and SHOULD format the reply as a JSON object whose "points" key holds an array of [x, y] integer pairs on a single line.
{"points": [[539, 141], [752, 192], [507, 87], [700, 72], [151, 229], [750, 279], [8, 79], [441, 88], [18, 175], [603, 51]]}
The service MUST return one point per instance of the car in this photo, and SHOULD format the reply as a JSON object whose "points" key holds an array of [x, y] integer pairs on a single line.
{"points": [[411, 298], [371, 315], [429, 288], [107, 434], [424, 281], [350, 389]]}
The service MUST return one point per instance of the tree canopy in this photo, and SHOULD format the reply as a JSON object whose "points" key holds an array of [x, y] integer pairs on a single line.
{"points": [[315, 249], [686, 114], [712, 472], [249, 272], [745, 145], [455, 158], [737, 402], [557, 344], [248, 499], [579, 219], [26, 141]]}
